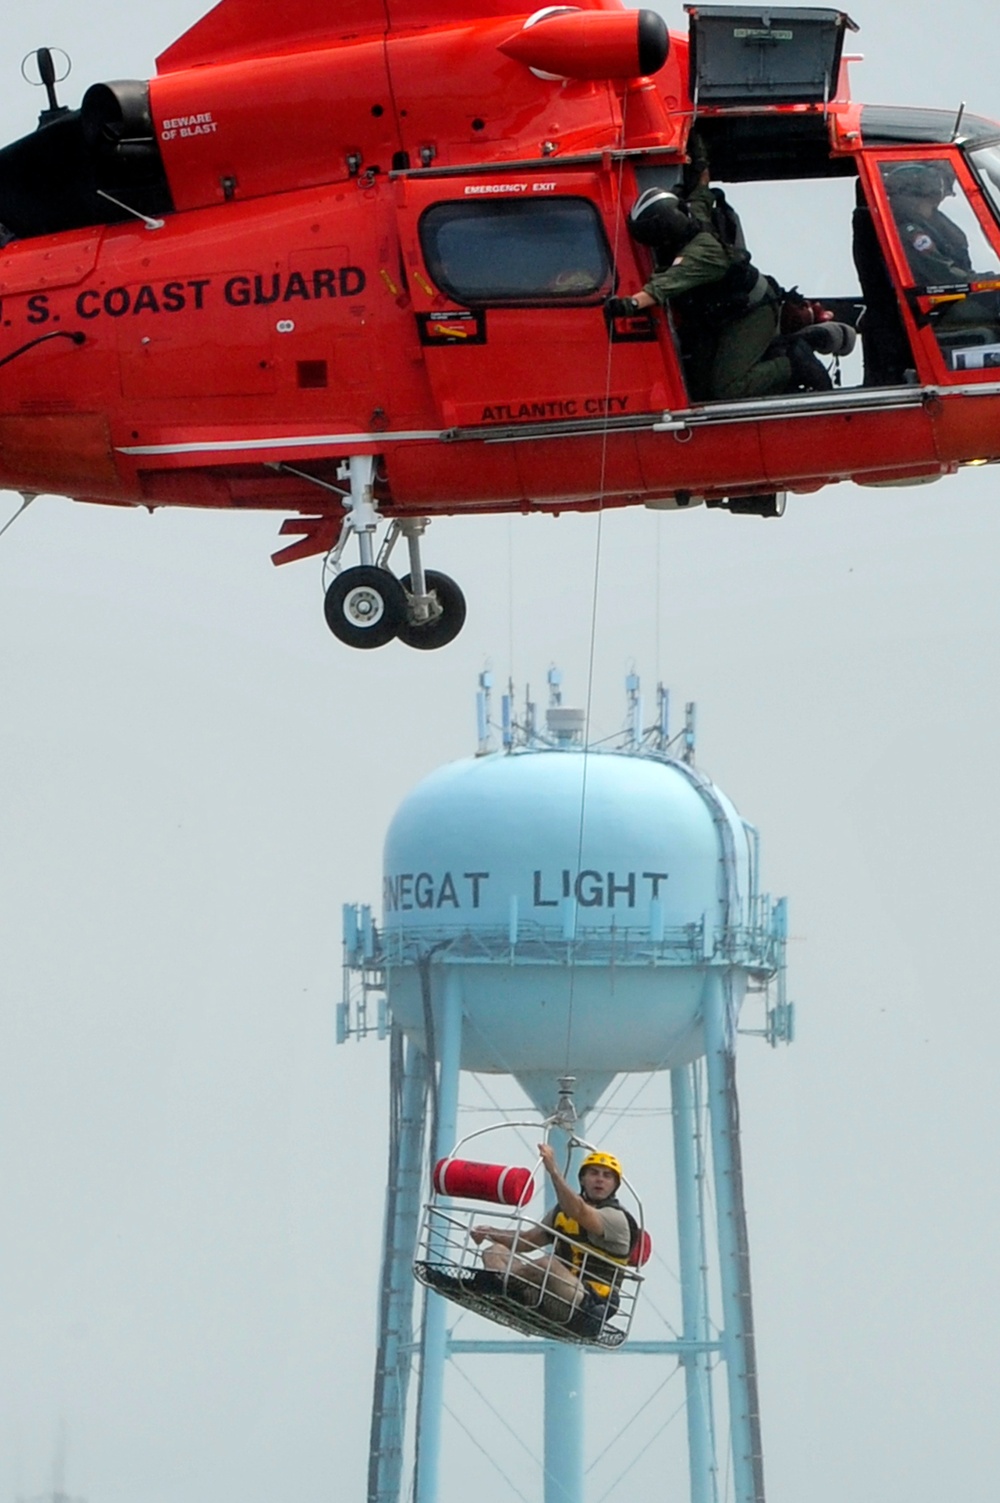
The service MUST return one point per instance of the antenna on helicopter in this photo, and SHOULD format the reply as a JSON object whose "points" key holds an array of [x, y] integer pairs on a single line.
{"points": [[150, 223], [44, 59]]}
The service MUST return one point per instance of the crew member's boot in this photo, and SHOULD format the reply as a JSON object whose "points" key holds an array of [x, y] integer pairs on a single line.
{"points": [[808, 373]]}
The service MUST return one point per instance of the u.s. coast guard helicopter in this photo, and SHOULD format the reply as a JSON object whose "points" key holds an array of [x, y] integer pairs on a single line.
{"points": [[351, 261]]}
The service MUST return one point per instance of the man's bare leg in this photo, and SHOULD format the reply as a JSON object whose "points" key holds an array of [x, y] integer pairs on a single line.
{"points": [[559, 1291]]}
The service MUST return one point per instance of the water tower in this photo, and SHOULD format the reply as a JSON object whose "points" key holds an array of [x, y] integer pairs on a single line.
{"points": [[552, 909]]}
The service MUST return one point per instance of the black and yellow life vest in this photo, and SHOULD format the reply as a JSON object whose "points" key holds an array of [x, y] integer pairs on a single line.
{"points": [[599, 1270]]}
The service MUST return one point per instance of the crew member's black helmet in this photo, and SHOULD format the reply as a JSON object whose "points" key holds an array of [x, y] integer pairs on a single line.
{"points": [[918, 180], [659, 218]]}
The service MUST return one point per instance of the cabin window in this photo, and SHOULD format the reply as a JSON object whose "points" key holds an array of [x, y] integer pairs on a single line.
{"points": [[550, 250], [948, 254]]}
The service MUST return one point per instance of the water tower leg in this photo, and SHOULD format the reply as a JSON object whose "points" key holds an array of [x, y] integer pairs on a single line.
{"points": [[434, 1344], [563, 1424], [563, 1404], [408, 1093], [734, 1256], [689, 1174]]}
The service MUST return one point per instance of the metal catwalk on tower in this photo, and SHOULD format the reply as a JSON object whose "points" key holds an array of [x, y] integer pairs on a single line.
{"points": [[554, 910]]}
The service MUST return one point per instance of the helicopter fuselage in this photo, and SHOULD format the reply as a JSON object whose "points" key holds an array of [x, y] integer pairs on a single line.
{"points": [[299, 250]]}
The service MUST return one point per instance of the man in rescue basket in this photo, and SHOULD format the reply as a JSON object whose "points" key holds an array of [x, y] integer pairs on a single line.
{"points": [[571, 1284]]}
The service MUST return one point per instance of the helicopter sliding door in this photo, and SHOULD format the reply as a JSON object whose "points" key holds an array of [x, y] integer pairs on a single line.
{"points": [[508, 278], [944, 248]]}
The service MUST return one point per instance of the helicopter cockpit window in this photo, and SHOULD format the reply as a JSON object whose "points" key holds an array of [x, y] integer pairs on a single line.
{"points": [[948, 254], [549, 250]]}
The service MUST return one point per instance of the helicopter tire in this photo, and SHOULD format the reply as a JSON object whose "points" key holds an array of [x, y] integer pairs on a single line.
{"points": [[365, 606], [442, 629]]}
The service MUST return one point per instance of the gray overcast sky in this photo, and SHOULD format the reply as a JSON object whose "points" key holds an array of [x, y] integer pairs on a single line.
{"points": [[195, 776]]}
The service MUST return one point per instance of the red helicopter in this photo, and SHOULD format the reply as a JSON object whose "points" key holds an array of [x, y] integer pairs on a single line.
{"points": [[352, 262]]}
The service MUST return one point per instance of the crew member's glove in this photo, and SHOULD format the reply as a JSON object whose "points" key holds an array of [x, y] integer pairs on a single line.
{"points": [[621, 307]]}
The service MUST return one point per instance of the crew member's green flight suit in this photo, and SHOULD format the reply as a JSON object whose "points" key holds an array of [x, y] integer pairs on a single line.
{"points": [[743, 326]]}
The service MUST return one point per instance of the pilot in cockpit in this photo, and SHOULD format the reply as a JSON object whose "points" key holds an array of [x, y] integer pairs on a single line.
{"points": [[937, 250]]}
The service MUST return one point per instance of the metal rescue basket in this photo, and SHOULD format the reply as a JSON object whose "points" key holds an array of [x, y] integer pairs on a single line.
{"points": [[532, 1299]]}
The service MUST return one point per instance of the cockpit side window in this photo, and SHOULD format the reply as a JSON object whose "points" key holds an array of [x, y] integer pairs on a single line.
{"points": [[941, 236], [950, 259], [517, 252]]}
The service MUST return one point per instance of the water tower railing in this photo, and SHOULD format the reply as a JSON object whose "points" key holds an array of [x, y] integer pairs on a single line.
{"points": [[755, 947], [370, 953]]}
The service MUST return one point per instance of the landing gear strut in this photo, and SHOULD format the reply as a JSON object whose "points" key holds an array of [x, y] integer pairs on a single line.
{"points": [[366, 606]]}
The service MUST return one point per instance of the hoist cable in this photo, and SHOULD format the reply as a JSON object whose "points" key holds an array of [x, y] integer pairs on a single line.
{"points": [[659, 539], [595, 593], [510, 597]]}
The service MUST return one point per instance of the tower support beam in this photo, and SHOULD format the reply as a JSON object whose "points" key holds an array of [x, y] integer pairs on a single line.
{"points": [[434, 1345], [719, 1016], [689, 1177], [408, 1091], [564, 1449]]}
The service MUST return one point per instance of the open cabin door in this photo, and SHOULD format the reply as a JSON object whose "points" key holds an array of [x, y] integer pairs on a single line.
{"points": [[508, 275]]}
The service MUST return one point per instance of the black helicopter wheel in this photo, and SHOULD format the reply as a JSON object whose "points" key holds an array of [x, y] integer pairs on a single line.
{"points": [[442, 629], [365, 607]]}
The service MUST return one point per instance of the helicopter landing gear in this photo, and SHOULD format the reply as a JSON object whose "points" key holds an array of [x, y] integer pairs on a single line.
{"points": [[435, 604], [367, 606], [449, 604]]}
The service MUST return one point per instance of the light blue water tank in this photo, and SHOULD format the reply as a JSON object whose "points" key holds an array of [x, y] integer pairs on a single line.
{"points": [[576, 898]]}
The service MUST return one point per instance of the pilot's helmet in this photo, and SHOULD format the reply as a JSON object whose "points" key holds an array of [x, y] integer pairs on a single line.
{"points": [[659, 218], [918, 180]]}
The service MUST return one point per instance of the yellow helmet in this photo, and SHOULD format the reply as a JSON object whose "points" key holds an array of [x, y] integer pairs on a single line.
{"points": [[603, 1161]]}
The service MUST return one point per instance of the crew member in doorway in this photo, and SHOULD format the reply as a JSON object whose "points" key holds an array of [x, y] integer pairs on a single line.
{"points": [[718, 291], [937, 250], [571, 1283]]}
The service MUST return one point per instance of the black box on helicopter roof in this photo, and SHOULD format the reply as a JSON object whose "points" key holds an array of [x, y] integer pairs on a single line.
{"points": [[747, 55]]}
